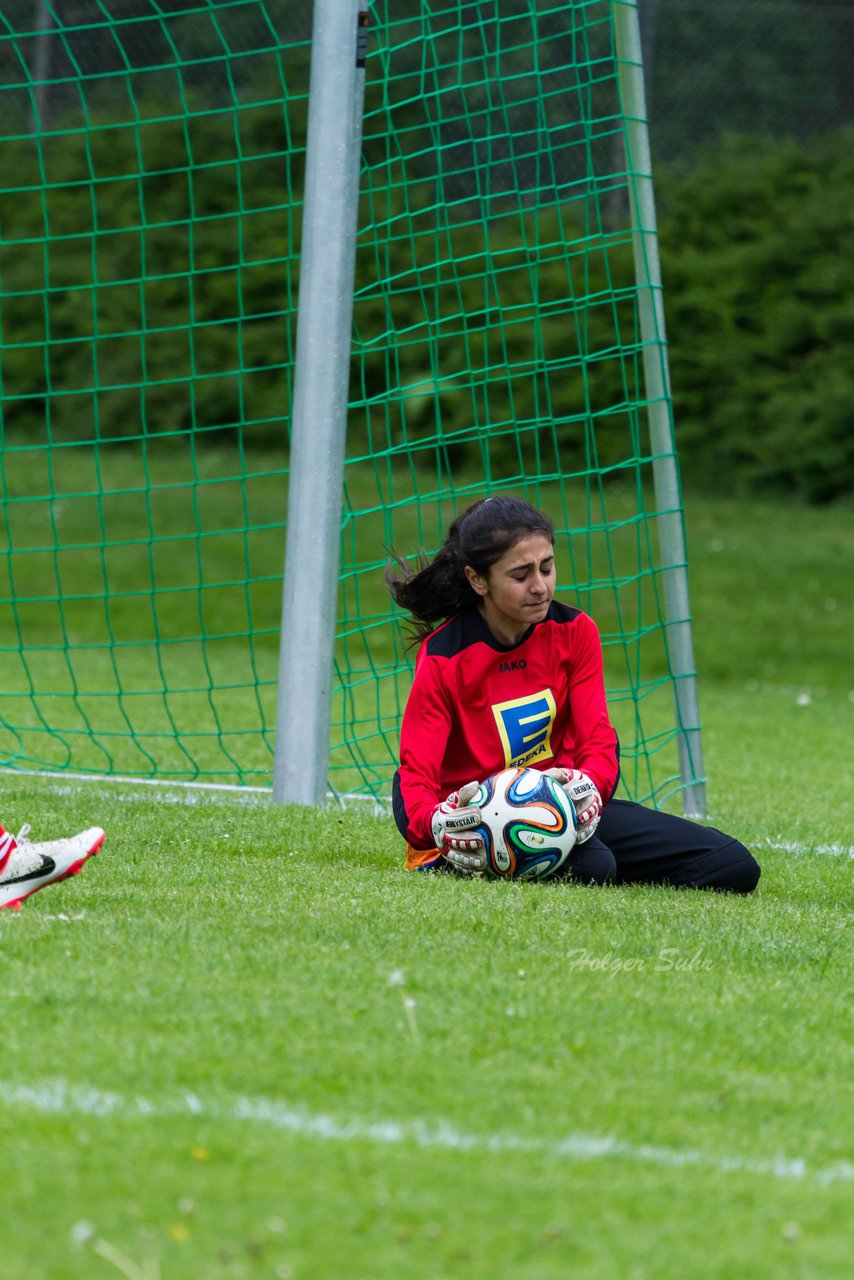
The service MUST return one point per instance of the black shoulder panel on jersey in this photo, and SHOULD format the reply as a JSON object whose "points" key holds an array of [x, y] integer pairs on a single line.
{"points": [[561, 612], [469, 628], [461, 631]]}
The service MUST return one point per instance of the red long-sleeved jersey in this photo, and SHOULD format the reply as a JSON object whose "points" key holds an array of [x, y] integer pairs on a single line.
{"points": [[477, 706]]}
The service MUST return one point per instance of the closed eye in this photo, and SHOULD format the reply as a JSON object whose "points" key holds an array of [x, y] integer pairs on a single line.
{"points": [[521, 574]]}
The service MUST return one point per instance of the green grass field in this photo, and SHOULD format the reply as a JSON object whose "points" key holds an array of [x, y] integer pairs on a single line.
{"points": [[243, 1043]]}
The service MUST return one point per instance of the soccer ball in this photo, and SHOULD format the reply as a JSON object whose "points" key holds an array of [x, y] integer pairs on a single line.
{"points": [[528, 824]]}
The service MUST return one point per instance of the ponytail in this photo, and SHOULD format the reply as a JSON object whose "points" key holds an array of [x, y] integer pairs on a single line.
{"points": [[478, 537]]}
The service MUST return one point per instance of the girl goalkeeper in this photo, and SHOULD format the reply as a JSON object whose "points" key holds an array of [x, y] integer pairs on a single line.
{"points": [[508, 676]]}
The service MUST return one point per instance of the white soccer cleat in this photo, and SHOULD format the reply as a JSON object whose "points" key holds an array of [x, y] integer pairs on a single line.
{"points": [[34, 866]]}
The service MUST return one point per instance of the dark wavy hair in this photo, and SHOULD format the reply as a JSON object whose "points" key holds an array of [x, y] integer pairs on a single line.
{"points": [[478, 537]]}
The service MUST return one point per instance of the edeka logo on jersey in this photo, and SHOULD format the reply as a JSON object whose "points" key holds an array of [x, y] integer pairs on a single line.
{"points": [[525, 728]]}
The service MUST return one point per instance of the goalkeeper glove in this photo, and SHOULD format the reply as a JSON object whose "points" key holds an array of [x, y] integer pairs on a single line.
{"points": [[584, 795], [452, 818]]}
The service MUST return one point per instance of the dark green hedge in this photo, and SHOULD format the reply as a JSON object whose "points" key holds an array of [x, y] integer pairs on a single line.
{"points": [[757, 245], [147, 275]]}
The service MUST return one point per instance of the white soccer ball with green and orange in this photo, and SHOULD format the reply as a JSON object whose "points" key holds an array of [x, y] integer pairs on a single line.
{"points": [[528, 824]]}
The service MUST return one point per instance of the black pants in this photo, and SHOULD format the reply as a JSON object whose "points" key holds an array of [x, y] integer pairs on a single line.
{"points": [[636, 845]]}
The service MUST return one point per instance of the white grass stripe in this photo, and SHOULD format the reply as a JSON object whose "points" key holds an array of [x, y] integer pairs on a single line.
{"points": [[174, 792], [62, 1098], [826, 850], [111, 779]]}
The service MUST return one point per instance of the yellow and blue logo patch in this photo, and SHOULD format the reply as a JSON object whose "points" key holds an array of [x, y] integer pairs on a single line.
{"points": [[525, 728]]}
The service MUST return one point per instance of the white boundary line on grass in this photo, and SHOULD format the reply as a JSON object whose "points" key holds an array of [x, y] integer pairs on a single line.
{"points": [[827, 850], [107, 781], [175, 792], [63, 1098]]}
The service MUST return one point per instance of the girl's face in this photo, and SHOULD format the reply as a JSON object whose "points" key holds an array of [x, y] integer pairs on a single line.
{"points": [[517, 590]]}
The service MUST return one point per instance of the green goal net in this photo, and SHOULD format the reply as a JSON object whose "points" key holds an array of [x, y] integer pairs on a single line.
{"points": [[150, 209]]}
